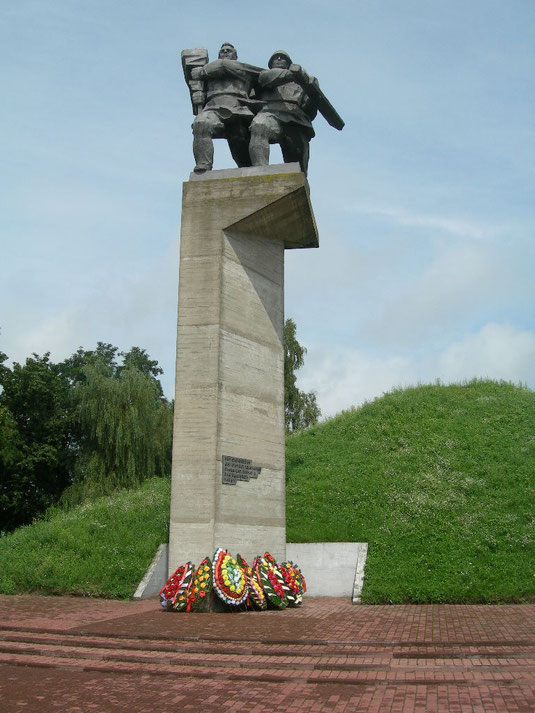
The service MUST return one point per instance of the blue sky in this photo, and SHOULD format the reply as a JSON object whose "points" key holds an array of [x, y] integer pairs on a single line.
{"points": [[425, 202]]}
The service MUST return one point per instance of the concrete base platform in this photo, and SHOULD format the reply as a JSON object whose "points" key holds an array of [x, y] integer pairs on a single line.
{"points": [[331, 569]]}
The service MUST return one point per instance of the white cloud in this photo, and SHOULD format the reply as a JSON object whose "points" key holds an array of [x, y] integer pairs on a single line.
{"points": [[462, 284], [56, 334], [123, 309], [345, 377], [454, 282], [459, 227], [497, 351]]}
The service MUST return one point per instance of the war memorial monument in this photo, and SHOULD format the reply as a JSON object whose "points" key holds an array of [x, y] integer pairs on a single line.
{"points": [[228, 472]]}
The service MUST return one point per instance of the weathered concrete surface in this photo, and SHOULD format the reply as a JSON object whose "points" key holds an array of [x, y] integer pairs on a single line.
{"points": [[244, 172], [359, 572], [155, 576], [229, 371], [330, 568]]}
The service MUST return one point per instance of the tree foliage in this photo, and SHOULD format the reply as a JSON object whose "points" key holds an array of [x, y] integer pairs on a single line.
{"points": [[125, 431], [84, 426], [103, 358], [300, 409], [35, 439]]}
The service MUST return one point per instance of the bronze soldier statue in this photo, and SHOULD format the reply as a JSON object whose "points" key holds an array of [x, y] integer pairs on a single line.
{"points": [[291, 99], [226, 94], [220, 95]]}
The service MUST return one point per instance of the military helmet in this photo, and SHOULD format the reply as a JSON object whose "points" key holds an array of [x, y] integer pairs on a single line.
{"points": [[283, 53]]}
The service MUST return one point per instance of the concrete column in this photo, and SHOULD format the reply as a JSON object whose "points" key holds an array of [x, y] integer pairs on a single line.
{"points": [[229, 398]]}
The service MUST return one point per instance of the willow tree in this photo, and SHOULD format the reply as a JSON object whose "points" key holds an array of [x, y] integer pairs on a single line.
{"points": [[300, 408], [125, 428]]}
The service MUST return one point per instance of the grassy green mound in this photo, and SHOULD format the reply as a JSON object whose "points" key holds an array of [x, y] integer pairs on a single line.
{"points": [[100, 548], [439, 480]]}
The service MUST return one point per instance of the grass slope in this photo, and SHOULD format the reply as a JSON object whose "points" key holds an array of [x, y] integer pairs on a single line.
{"points": [[100, 548], [439, 480]]}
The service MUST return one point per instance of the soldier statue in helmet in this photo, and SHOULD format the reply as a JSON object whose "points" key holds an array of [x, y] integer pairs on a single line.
{"points": [[253, 108], [289, 107]]}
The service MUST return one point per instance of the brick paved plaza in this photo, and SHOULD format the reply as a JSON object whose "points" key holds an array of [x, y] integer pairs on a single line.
{"points": [[88, 655]]}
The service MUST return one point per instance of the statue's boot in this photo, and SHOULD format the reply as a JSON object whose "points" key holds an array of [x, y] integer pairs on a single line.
{"points": [[295, 147], [203, 150]]}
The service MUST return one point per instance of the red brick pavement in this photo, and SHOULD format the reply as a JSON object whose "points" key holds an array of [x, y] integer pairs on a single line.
{"points": [[91, 656]]}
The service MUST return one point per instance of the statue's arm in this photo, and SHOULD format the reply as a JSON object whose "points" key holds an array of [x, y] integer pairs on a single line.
{"points": [[270, 78], [307, 81], [276, 77], [315, 99], [211, 70], [220, 68]]}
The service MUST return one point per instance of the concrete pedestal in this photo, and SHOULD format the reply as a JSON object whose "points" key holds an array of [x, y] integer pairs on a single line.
{"points": [[229, 402]]}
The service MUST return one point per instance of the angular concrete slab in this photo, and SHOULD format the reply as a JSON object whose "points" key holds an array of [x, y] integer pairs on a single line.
{"points": [[155, 576], [331, 569]]}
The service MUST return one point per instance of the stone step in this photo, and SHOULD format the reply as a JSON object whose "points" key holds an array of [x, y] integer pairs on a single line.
{"points": [[431, 651], [206, 659], [283, 675], [89, 654]]}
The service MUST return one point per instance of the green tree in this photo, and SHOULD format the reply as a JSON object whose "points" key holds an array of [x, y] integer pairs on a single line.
{"points": [[300, 409], [125, 431], [35, 439], [85, 426], [138, 359], [9, 456], [103, 358]]}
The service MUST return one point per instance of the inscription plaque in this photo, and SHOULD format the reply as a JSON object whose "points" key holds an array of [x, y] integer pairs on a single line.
{"points": [[234, 469]]}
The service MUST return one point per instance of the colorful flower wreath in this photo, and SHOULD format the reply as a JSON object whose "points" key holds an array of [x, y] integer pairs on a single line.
{"points": [[229, 579], [256, 598], [235, 583], [273, 582], [295, 582], [300, 577], [200, 593], [173, 595]]}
